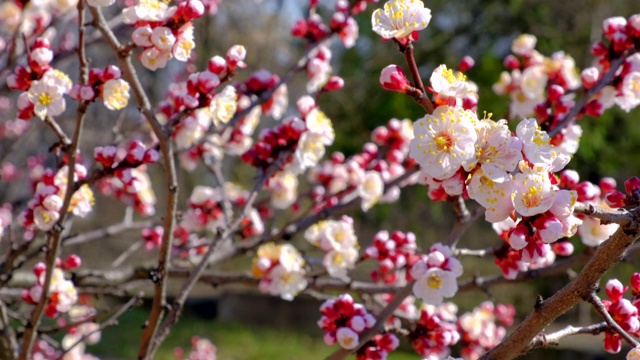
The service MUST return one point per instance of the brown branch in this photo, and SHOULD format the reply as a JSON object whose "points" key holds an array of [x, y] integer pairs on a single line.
{"points": [[166, 147], [106, 232], [8, 341], [62, 137], [464, 219], [608, 254], [577, 108], [178, 304], [557, 268], [53, 237], [421, 98], [545, 340], [594, 300], [606, 216]]}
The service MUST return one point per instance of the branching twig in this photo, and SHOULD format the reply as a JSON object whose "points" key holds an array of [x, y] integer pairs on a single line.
{"points": [[112, 320], [604, 81], [166, 148], [594, 300], [606, 216], [545, 340]]}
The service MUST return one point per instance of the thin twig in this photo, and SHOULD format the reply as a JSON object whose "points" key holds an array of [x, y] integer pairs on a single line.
{"points": [[606, 216], [594, 300], [545, 340], [577, 108], [112, 320]]}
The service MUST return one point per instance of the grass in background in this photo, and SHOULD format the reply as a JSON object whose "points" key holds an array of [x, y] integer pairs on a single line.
{"points": [[234, 341]]}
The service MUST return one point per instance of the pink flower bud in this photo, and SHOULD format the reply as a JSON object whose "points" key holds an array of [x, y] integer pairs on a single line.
{"points": [[73, 261], [615, 199], [151, 156], [587, 191], [393, 78], [550, 230], [235, 56], [511, 62], [599, 49], [334, 83], [466, 63], [519, 237], [635, 283], [111, 72], [41, 43], [217, 65], [135, 153], [470, 103], [633, 25], [612, 343], [569, 179], [300, 28], [615, 290], [563, 248], [555, 92], [632, 184], [39, 268], [607, 184], [589, 76]]}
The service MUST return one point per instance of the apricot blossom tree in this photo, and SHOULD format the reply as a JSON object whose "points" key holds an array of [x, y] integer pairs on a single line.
{"points": [[511, 172]]}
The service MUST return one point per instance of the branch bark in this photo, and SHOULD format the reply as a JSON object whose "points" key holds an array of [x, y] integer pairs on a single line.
{"points": [[608, 254]]}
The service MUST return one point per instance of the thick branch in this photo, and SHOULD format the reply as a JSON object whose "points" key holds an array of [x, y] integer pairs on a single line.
{"points": [[166, 148], [608, 254]]}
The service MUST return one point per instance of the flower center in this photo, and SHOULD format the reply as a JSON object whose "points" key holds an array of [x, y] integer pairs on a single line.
{"points": [[531, 198], [444, 142], [45, 99], [434, 281]]}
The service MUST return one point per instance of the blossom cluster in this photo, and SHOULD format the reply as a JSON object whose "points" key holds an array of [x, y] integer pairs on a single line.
{"points": [[483, 328], [394, 253], [201, 349], [206, 214], [536, 83], [43, 87], [620, 36], [133, 187], [43, 210], [105, 84], [281, 270], [86, 332], [63, 294], [381, 161], [162, 31], [314, 29], [622, 311], [338, 240], [435, 332], [591, 231], [345, 320], [296, 144]]}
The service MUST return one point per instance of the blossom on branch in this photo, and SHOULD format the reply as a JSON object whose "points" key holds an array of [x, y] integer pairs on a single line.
{"points": [[444, 141], [400, 18], [280, 268]]}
